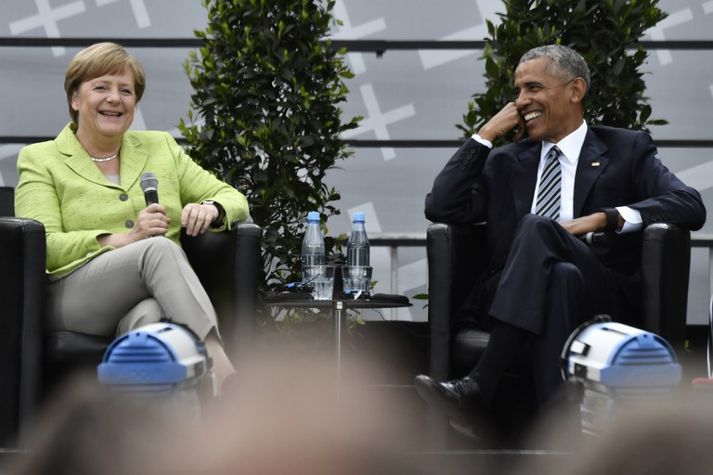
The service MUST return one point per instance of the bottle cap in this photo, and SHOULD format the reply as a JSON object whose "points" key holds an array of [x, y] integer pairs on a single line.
{"points": [[313, 216], [358, 217]]}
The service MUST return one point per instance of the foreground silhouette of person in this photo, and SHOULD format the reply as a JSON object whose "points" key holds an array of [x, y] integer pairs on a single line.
{"points": [[646, 437], [287, 415]]}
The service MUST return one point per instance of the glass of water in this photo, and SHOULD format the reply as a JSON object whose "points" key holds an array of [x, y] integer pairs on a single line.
{"points": [[322, 281], [356, 279]]}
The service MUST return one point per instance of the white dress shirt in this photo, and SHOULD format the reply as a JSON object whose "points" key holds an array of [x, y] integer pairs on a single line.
{"points": [[570, 148]]}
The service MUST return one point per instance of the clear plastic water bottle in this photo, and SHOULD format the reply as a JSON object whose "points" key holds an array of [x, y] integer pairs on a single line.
{"points": [[358, 245], [312, 245]]}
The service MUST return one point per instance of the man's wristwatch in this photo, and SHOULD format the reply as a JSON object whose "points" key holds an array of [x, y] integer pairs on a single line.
{"points": [[612, 219], [217, 222]]}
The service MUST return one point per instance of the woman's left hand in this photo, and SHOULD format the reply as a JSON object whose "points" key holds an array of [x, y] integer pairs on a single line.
{"points": [[196, 218]]}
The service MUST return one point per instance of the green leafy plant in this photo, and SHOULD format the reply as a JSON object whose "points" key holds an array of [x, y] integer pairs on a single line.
{"points": [[265, 118], [605, 32]]}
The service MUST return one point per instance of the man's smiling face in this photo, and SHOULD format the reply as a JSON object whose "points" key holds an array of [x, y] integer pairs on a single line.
{"points": [[549, 103]]}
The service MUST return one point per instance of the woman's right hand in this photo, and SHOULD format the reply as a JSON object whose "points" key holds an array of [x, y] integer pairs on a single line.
{"points": [[151, 221]]}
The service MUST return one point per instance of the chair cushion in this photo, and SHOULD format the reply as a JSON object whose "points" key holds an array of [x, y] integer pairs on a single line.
{"points": [[467, 347], [69, 349]]}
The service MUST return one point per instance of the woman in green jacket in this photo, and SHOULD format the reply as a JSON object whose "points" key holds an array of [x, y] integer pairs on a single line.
{"points": [[106, 277]]}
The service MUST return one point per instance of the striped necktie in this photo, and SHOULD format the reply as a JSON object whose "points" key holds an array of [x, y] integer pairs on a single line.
{"points": [[548, 195]]}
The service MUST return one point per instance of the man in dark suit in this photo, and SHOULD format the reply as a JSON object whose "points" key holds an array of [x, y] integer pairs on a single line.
{"points": [[538, 195]]}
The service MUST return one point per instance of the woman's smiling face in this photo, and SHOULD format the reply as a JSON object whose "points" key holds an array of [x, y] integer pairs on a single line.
{"points": [[105, 105]]}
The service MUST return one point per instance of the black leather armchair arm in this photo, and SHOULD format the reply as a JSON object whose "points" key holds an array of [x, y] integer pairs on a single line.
{"points": [[228, 265], [456, 259], [665, 266], [22, 287]]}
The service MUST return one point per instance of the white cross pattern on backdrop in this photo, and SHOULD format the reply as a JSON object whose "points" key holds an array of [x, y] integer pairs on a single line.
{"points": [[657, 32], [377, 121], [137, 7], [47, 18], [348, 31], [432, 58]]}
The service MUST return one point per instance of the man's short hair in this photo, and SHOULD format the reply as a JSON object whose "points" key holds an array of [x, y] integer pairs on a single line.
{"points": [[565, 60]]}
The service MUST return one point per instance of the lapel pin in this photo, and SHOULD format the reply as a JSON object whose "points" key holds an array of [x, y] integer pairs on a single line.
{"points": [[595, 164]]}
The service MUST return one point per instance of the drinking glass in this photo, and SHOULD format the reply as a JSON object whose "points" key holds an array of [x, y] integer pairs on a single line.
{"points": [[356, 279], [322, 281]]}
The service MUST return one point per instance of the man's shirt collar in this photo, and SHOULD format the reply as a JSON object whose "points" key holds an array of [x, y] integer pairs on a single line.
{"points": [[570, 146]]}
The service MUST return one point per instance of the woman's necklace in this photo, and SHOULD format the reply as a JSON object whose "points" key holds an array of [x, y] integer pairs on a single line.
{"points": [[105, 159]]}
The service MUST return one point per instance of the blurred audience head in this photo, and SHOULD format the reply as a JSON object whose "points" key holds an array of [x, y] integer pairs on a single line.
{"points": [[646, 438], [285, 415], [655, 440], [291, 415], [87, 429]]}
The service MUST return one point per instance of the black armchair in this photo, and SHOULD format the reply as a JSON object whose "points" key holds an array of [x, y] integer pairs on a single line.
{"points": [[456, 262], [32, 360]]}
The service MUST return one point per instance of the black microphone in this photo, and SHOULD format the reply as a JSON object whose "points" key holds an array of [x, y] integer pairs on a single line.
{"points": [[149, 183]]}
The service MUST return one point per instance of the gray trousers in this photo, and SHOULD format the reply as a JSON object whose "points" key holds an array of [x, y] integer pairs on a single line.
{"points": [[123, 289]]}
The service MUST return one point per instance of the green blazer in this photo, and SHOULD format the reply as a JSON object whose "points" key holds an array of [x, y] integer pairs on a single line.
{"points": [[62, 188]]}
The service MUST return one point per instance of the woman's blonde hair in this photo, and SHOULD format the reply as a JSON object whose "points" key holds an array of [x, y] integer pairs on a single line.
{"points": [[97, 60]]}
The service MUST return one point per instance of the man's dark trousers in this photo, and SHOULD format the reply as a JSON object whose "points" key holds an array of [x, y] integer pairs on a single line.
{"points": [[551, 282]]}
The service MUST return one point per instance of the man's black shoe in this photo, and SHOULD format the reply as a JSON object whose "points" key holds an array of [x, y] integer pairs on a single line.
{"points": [[460, 399], [455, 397]]}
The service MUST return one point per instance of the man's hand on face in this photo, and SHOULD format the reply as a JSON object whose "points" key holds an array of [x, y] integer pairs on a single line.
{"points": [[507, 119]]}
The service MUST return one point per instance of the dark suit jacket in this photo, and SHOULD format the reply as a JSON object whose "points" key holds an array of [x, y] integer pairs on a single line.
{"points": [[616, 167]]}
